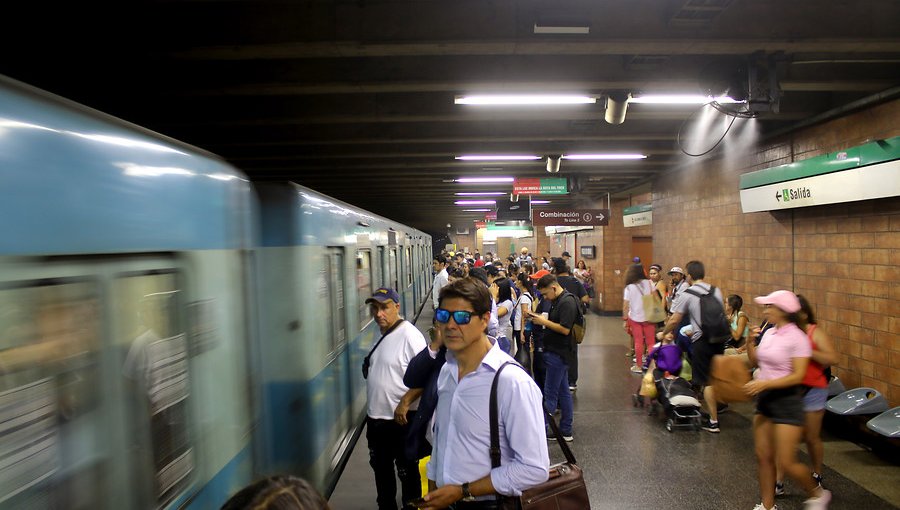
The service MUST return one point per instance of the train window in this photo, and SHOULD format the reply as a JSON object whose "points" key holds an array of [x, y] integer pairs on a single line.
{"points": [[338, 306], [393, 282], [408, 267], [364, 278], [156, 371], [50, 394]]}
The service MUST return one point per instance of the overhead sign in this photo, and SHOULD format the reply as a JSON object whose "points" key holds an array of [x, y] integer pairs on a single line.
{"points": [[491, 216], [548, 186], [865, 172], [520, 210], [638, 216], [571, 217], [480, 224]]}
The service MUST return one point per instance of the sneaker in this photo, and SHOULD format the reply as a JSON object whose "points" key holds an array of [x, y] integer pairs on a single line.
{"points": [[630, 354], [779, 488], [761, 507], [568, 438], [573, 388], [819, 503], [636, 369], [818, 478], [709, 426]]}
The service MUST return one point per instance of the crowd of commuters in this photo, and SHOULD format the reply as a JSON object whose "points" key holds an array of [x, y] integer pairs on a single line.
{"points": [[430, 398]]}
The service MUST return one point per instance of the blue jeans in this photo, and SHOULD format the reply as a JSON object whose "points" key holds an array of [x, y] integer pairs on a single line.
{"points": [[556, 391]]}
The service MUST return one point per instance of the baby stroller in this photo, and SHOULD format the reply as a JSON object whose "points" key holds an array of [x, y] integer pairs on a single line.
{"points": [[677, 399]]}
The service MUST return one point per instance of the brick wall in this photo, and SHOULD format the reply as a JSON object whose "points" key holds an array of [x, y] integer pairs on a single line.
{"points": [[844, 258]]}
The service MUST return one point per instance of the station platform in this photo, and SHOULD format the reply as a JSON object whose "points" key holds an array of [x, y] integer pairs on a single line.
{"points": [[630, 461]]}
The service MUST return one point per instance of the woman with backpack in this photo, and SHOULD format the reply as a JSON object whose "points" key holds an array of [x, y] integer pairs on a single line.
{"points": [[642, 332]]}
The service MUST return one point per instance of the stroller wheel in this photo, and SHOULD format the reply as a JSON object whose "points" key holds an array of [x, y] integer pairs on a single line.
{"points": [[669, 424], [637, 400], [697, 424]]}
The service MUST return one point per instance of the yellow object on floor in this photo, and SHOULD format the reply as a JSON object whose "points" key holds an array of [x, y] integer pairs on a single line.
{"points": [[423, 473]]}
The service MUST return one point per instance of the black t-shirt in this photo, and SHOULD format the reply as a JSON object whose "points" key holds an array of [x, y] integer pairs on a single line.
{"points": [[563, 312], [571, 284]]}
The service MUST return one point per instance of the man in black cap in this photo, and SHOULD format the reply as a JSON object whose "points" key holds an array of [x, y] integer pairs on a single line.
{"points": [[391, 405], [565, 256]]}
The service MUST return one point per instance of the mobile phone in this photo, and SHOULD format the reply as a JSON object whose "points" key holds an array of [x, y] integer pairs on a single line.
{"points": [[418, 502]]}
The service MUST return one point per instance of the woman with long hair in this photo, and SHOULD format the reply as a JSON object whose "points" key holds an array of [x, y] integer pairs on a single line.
{"points": [[783, 357], [521, 323], [739, 322], [501, 290], [642, 332]]}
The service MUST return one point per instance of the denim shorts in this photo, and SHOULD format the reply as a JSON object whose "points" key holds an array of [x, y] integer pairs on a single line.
{"points": [[815, 399]]}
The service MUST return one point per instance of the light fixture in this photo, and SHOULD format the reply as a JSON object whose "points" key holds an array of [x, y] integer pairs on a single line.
{"points": [[477, 210], [600, 157], [540, 202], [475, 202], [470, 180], [525, 99], [481, 193], [616, 106], [553, 163], [692, 99], [498, 157]]}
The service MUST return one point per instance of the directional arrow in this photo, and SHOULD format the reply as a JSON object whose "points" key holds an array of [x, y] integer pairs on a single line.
{"points": [[778, 196]]}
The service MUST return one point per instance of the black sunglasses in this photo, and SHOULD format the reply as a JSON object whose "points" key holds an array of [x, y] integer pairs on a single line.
{"points": [[461, 317]]}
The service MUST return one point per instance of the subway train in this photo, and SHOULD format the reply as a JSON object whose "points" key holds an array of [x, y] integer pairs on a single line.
{"points": [[170, 332]]}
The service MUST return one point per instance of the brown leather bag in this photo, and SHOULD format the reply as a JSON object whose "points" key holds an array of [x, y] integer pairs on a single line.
{"points": [[565, 490]]}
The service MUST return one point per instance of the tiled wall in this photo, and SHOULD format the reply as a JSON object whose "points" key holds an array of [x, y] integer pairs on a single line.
{"points": [[843, 257]]}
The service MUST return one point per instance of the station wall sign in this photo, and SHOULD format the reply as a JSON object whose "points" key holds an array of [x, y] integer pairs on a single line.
{"points": [[571, 217], [548, 186], [638, 216]]}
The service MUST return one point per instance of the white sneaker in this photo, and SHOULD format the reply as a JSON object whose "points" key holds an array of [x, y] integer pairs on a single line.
{"points": [[819, 503], [636, 369], [761, 507]]}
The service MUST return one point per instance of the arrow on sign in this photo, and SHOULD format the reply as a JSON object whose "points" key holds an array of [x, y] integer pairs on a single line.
{"points": [[778, 196]]}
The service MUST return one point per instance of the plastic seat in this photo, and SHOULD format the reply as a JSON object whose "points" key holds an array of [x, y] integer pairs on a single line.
{"points": [[835, 387], [887, 423], [858, 401]]}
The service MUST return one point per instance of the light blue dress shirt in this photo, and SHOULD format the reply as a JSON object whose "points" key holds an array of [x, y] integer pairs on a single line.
{"points": [[462, 427]]}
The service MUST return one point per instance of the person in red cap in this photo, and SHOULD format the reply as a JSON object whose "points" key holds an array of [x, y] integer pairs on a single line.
{"points": [[782, 357]]}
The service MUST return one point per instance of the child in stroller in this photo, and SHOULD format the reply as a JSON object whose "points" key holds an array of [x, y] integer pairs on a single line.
{"points": [[674, 393]]}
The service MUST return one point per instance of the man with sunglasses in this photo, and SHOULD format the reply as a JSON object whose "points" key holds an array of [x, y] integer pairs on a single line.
{"points": [[460, 472], [391, 405]]}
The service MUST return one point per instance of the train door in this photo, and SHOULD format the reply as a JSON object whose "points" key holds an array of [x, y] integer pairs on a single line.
{"points": [[409, 294], [340, 391]]}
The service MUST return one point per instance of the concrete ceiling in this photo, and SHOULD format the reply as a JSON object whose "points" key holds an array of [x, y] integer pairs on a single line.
{"points": [[355, 98]]}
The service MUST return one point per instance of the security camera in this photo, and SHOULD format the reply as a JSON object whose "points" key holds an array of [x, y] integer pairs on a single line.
{"points": [[616, 106], [553, 163]]}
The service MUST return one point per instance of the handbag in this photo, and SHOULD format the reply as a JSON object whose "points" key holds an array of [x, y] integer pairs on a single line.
{"points": [[648, 386], [564, 490], [653, 308]]}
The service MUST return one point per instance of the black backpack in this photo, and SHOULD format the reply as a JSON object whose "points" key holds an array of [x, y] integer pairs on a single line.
{"points": [[713, 322]]}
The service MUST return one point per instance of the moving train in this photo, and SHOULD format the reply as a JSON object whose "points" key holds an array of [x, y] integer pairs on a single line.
{"points": [[168, 331]]}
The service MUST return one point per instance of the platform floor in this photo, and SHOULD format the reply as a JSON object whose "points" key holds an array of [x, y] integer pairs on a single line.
{"points": [[631, 462]]}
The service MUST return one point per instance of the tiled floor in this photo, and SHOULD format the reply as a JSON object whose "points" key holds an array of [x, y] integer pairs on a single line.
{"points": [[631, 462]]}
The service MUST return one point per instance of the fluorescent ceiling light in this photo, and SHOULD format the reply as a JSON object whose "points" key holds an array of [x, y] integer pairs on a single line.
{"points": [[681, 99], [481, 193], [560, 30], [477, 210], [540, 202], [475, 202], [525, 99], [498, 157], [603, 156], [485, 179]]}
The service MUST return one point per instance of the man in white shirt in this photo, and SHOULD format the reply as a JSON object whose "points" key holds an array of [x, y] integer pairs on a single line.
{"points": [[460, 471], [391, 405], [441, 279]]}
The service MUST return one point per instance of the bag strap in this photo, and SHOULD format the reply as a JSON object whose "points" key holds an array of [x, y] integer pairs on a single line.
{"points": [[495, 423], [386, 333]]}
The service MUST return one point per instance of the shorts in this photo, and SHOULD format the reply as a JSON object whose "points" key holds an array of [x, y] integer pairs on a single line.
{"points": [[783, 406], [815, 399], [701, 359]]}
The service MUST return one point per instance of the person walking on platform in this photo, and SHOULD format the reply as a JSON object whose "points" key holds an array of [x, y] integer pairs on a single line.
{"points": [[703, 346], [460, 473], [559, 351], [633, 316], [783, 358], [391, 404], [441, 279]]}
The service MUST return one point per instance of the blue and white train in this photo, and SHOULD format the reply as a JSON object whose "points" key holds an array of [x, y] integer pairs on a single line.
{"points": [[169, 332]]}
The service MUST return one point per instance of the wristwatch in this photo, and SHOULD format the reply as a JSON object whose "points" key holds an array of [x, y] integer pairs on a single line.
{"points": [[467, 496]]}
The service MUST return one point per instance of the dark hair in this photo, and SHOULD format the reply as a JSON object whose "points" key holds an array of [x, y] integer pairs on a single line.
{"points": [[657, 267], [529, 269], [505, 287], [456, 273], [696, 270], [546, 281], [560, 266], [634, 274], [735, 302], [277, 493], [476, 294], [512, 269], [440, 259], [526, 281], [479, 273], [491, 270], [583, 265], [806, 309]]}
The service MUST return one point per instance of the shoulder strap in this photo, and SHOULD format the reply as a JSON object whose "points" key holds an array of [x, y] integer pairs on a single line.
{"points": [[495, 423], [386, 333]]}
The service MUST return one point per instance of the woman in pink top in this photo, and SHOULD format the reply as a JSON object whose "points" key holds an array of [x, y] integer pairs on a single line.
{"points": [[642, 332], [782, 357]]}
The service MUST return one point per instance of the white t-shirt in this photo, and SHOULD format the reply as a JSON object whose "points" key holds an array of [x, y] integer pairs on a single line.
{"points": [[504, 321], [384, 387], [633, 295], [524, 299]]}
